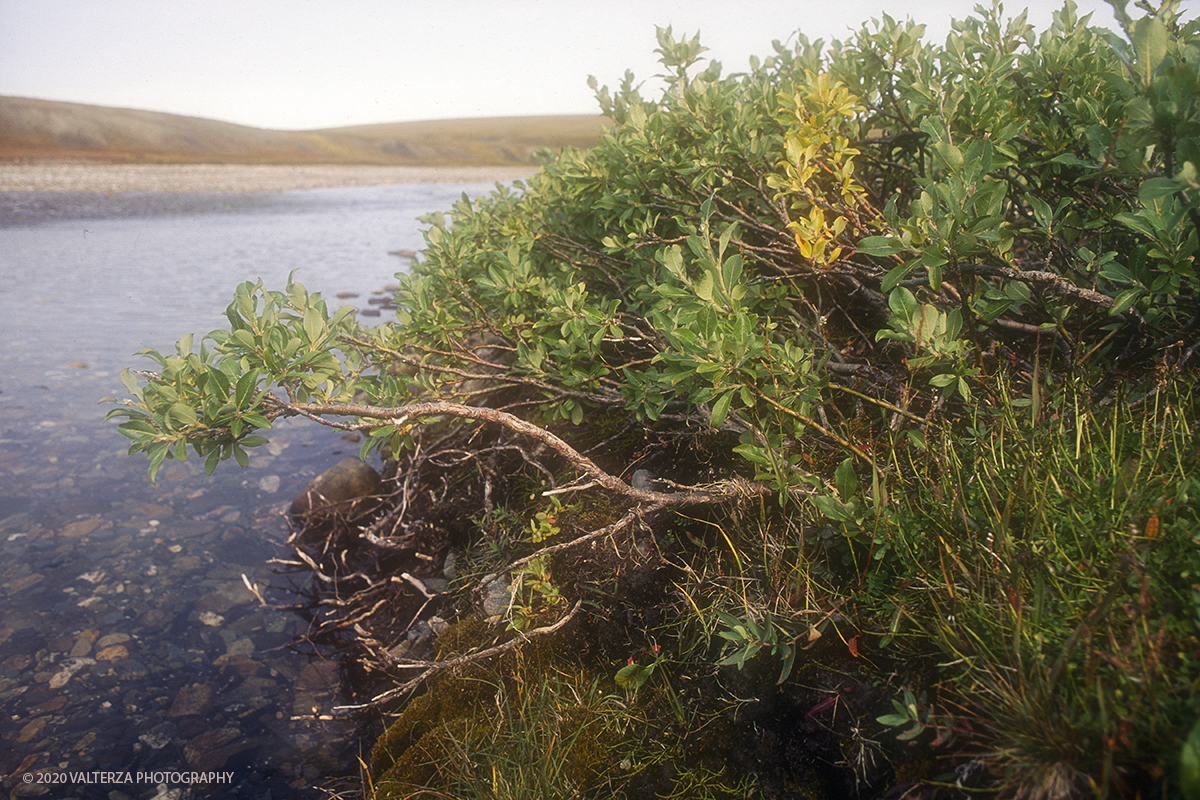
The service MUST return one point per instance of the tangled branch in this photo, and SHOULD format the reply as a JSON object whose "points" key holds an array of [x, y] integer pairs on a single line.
{"points": [[727, 490]]}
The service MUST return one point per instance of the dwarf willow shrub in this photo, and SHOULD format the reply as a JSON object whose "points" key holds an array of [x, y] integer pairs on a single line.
{"points": [[823, 258], [735, 253]]}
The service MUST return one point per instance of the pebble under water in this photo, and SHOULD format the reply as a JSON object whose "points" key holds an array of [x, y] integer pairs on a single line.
{"points": [[135, 662]]}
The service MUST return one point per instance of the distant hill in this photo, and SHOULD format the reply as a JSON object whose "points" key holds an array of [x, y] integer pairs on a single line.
{"points": [[45, 129]]}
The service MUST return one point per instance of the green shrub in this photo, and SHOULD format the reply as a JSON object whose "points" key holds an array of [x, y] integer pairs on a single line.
{"points": [[940, 300]]}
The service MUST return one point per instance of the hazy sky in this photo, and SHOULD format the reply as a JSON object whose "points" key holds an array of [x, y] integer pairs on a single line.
{"points": [[323, 63]]}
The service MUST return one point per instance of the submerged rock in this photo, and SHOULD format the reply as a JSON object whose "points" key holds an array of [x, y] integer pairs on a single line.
{"points": [[345, 491], [193, 699]]}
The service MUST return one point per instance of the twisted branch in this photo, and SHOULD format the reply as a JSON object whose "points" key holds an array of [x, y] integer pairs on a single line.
{"points": [[721, 491]]}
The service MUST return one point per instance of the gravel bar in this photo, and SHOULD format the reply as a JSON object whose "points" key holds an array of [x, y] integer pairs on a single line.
{"points": [[112, 178]]}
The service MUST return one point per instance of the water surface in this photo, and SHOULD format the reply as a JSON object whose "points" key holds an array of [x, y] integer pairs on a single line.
{"points": [[129, 642]]}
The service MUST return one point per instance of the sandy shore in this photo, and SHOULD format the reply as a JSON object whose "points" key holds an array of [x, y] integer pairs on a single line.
{"points": [[106, 178]]}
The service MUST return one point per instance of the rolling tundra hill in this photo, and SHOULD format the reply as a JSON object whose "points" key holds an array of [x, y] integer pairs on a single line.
{"points": [[32, 129]]}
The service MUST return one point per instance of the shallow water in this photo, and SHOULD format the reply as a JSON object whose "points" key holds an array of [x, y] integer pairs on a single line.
{"points": [[129, 643]]}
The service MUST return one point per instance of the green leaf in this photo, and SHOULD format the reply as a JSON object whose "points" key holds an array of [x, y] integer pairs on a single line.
{"points": [[897, 274], [951, 155], [1150, 40], [789, 659], [739, 657], [153, 355], [245, 388], [138, 426], [731, 272], [258, 421], [1116, 272], [158, 453], [881, 246], [1124, 300], [754, 454], [131, 383], [183, 413], [893, 720], [720, 409], [903, 303], [724, 243], [244, 338], [933, 263], [1041, 212], [833, 508], [632, 676], [1189, 764], [1071, 160], [844, 479], [1156, 189]]}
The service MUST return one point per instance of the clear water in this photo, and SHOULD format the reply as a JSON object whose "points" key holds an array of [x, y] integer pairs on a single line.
{"points": [[129, 643]]}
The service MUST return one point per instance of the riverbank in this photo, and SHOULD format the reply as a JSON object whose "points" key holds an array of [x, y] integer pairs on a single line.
{"points": [[113, 178]]}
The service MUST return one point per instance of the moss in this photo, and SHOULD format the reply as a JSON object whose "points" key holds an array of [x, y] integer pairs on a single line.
{"points": [[914, 765], [503, 705], [405, 751], [462, 637], [447, 700], [592, 740], [418, 765]]}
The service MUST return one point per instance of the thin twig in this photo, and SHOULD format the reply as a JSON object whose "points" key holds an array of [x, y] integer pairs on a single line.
{"points": [[434, 667], [629, 517]]}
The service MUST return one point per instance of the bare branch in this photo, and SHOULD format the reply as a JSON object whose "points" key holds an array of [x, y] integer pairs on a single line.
{"points": [[721, 491], [434, 667], [1048, 280]]}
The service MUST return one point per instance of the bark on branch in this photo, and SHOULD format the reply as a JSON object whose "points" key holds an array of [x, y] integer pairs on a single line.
{"points": [[722, 491], [1047, 280]]}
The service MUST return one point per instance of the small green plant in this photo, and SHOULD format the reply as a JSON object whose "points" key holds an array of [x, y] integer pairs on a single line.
{"points": [[747, 638], [920, 716], [1189, 764], [543, 526], [634, 675], [534, 591]]}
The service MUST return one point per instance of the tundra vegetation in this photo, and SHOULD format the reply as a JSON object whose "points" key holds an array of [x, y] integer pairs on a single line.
{"points": [[826, 429]]}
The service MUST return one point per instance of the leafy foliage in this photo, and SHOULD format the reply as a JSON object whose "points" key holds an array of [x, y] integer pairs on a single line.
{"points": [[722, 244], [859, 259]]}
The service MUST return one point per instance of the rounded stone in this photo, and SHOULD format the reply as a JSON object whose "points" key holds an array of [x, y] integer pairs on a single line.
{"points": [[117, 652], [346, 490]]}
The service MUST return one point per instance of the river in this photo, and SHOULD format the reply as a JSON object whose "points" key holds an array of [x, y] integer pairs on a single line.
{"points": [[133, 657]]}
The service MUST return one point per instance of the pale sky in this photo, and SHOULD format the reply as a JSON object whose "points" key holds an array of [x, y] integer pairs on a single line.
{"points": [[298, 64]]}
